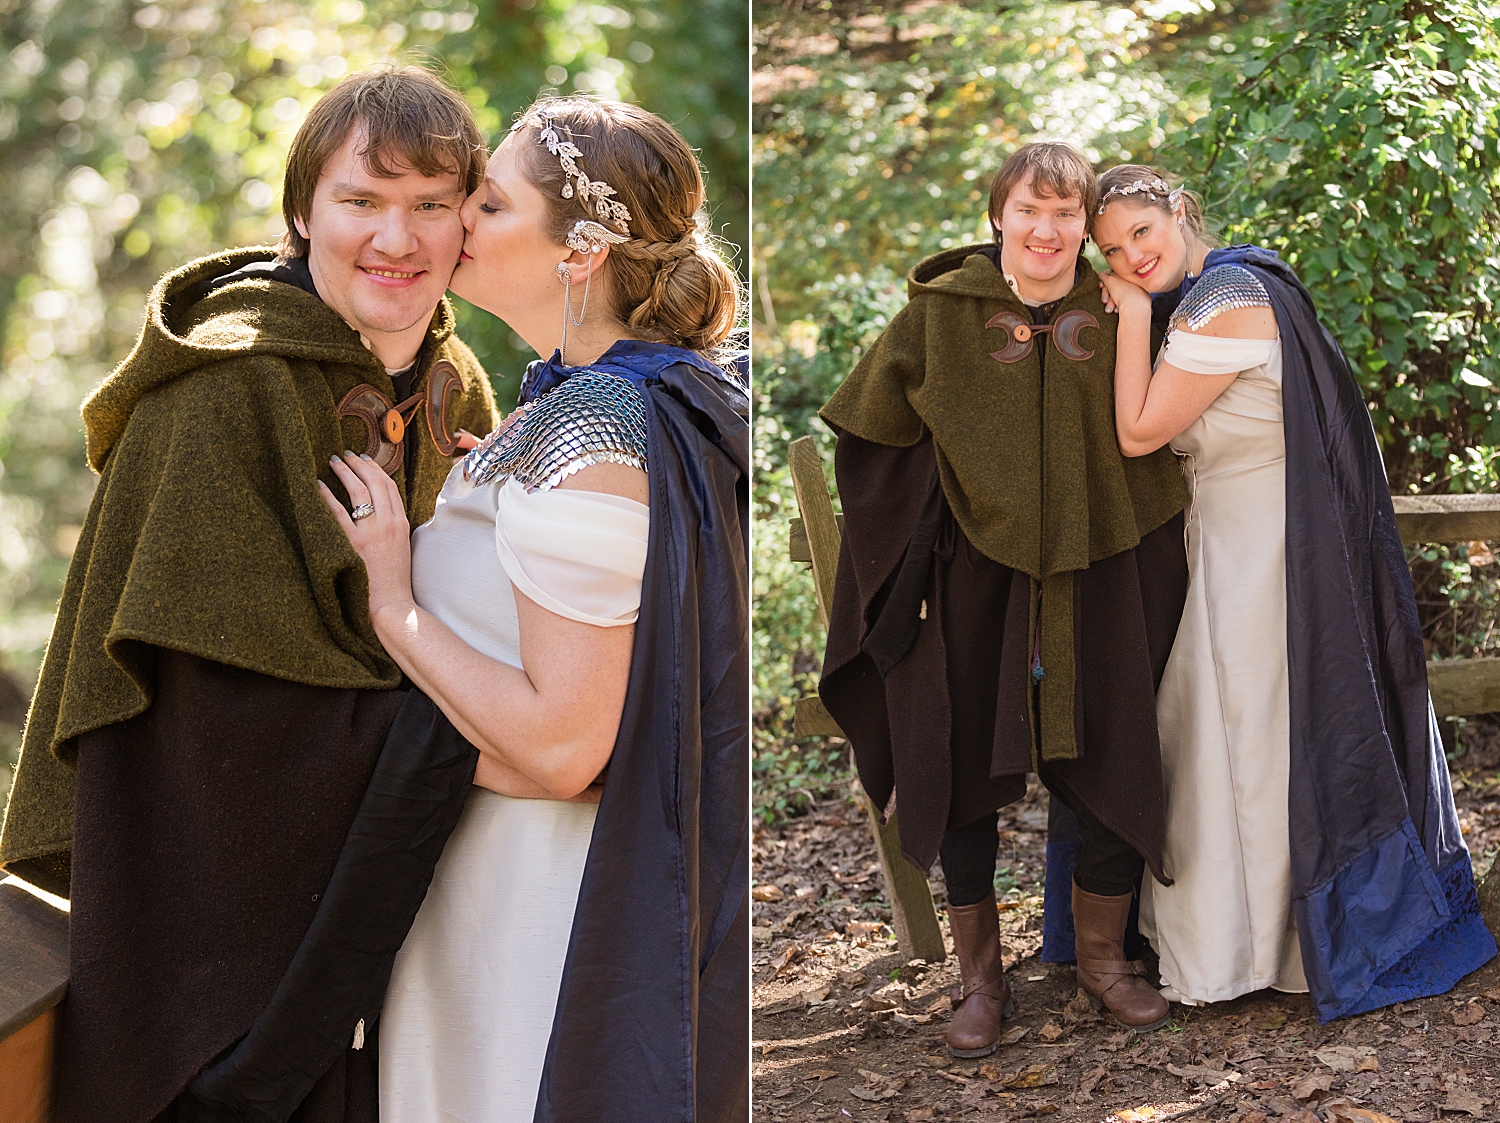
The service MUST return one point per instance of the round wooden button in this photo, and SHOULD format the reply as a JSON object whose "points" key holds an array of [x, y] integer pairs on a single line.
{"points": [[1022, 333], [393, 426]]}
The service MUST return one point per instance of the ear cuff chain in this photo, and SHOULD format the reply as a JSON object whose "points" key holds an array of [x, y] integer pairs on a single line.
{"points": [[588, 234]]}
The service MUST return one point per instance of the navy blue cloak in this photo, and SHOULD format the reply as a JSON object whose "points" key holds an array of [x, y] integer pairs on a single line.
{"points": [[1382, 885], [653, 1018]]}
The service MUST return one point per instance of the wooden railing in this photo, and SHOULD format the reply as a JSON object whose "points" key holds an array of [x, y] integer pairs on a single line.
{"points": [[1459, 687]]}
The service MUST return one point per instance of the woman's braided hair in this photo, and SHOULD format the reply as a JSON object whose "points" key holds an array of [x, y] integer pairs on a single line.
{"points": [[668, 283]]}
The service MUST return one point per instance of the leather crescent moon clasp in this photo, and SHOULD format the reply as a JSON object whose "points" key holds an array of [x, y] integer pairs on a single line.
{"points": [[375, 410], [443, 383], [1019, 336], [1022, 336], [1065, 334]]}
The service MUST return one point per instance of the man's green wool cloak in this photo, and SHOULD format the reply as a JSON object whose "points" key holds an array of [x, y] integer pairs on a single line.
{"points": [[1030, 465], [206, 533]]}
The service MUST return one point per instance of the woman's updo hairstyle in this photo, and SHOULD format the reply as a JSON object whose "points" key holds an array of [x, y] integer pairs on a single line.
{"points": [[1146, 187], [668, 282]]}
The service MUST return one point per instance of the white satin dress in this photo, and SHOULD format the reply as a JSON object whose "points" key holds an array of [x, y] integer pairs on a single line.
{"points": [[1225, 926], [466, 1020]]}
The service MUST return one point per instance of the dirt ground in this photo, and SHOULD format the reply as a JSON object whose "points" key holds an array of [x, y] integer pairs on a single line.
{"points": [[846, 1029]]}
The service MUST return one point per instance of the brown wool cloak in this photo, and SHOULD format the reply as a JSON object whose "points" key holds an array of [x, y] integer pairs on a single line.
{"points": [[206, 533], [1041, 507], [1030, 465]]}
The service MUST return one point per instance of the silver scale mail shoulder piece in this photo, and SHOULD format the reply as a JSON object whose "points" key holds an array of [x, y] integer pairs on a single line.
{"points": [[592, 418], [1219, 289]]}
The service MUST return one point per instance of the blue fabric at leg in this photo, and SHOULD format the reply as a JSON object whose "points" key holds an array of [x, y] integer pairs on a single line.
{"points": [[1057, 904], [1057, 909]]}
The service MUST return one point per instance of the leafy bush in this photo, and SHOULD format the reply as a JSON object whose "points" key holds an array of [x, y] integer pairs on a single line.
{"points": [[1363, 143]]}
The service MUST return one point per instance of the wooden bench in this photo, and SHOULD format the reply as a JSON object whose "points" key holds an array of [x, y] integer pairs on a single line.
{"points": [[1460, 687], [33, 979]]}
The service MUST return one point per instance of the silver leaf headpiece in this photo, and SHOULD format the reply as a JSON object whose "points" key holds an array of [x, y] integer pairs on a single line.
{"points": [[594, 194], [588, 236], [1156, 188]]}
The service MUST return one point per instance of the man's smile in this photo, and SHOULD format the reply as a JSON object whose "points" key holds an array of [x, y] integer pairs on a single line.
{"points": [[391, 278]]}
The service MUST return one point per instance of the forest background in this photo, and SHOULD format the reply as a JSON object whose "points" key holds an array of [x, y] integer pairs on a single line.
{"points": [[1360, 140], [137, 136]]}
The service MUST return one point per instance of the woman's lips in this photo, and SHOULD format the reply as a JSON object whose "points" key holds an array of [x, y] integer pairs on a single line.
{"points": [[1145, 270], [464, 255]]}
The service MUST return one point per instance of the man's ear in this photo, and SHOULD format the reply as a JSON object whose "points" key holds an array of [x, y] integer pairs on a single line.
{"points": [[301, 228]]}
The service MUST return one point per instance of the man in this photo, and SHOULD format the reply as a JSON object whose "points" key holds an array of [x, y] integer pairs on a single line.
{"points": [[1009, 584], [214, 703]]}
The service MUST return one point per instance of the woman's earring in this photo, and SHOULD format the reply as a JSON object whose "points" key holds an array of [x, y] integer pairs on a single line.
{"points": [[566, 276]]}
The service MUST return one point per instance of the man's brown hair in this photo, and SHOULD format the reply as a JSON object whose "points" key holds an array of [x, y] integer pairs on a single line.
{"points": [[406, 118], [1055, 169]]}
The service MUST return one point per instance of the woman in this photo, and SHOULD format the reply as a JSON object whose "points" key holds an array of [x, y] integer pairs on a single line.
{"points": [[1311, 831], [577, 607]]}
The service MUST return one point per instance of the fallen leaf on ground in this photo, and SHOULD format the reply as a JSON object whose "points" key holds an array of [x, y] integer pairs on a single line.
{"points": [[938, 1060], [875, 1002], [1050, 1032], [1011, 1036], [1202, 1074], [784, 957], [1033, 1076], [1044, 1108], [941, 1004], [1493, 994], [853, 978], [1253, 1117], [1367, 1064], [877, 1087], [760, 933], [919, 1114], [795, 1001], [1080, 1011], [1461, 1099], [1344, 1058], [820, 1074], [990, 1072], [766, 893], [803, 892], [1091, 1080], [1311, 1084], [1471, 1014], [863, 928], [1347, 1113], [1275, 1021]]}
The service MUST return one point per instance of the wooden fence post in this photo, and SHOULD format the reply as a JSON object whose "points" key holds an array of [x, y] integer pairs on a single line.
{"points": [[914, 917]]}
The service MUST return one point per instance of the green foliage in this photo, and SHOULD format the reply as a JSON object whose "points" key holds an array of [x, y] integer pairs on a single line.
{"points": [[1363, 142], [883, 151], [134, 137]]}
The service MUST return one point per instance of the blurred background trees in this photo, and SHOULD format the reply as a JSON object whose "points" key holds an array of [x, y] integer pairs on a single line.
{"points": [[136, 136], [1361, 141]]}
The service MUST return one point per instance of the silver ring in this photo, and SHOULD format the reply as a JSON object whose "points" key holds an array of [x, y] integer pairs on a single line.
{"points": [[361, 511]]}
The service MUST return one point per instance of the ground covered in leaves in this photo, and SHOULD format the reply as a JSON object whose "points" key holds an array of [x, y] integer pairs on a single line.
{"points": [[846, 1029]]}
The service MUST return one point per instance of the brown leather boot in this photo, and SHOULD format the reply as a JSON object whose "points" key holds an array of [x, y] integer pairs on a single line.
{"points": [[1111, 982], [984, 1000]]}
